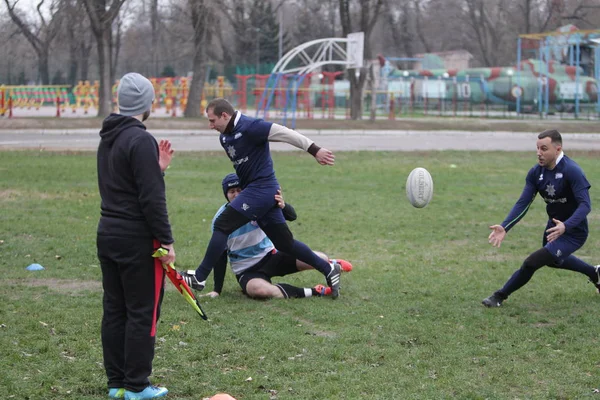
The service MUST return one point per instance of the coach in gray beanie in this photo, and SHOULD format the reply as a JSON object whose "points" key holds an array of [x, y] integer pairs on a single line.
{"points": [[135, 94]]}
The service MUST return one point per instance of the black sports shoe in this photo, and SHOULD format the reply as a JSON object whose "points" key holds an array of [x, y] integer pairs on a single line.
{"points": [[333, 280], [189, 277], [597, 283], [493, 301]]}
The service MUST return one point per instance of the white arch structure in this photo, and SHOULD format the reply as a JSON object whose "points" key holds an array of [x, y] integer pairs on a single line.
{"points": [[309, 56], [317, 53]]}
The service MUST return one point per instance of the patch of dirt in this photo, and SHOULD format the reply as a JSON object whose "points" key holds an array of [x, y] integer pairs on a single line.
{"points": [[68, 286], [10, 194], [440, 123], [310, 327], [61, 285]]}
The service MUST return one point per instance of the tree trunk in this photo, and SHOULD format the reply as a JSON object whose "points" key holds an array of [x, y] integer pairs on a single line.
{"points": [[192, 109], [84, 60], [73, 59], [373, 86], [369, 12], [115, 49], [356, 95], [199, 14], [356, 102], [43, 67], [104, 67], [154, 33]]}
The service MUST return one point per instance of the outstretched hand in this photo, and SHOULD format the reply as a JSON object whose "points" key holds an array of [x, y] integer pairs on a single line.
{"points": [[165, 154], [556, 231], [325, 157], [497, 235]]}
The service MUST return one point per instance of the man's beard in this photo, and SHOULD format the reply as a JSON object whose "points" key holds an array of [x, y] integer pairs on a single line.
{"points": [[145, 115]]}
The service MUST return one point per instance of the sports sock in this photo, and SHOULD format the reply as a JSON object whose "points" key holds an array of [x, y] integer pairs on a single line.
{"points": [[293, 291]]}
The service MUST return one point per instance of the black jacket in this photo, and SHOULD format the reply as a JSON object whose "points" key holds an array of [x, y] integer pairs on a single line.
{"points": [[132, 187]]}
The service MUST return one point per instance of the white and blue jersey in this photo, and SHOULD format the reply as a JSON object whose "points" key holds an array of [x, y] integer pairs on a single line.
{"points": [[246, 246], [565, 189], [247, 146]]}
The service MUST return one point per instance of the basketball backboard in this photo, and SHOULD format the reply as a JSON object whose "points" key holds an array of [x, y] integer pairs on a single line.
{"points": [[355, 50]]}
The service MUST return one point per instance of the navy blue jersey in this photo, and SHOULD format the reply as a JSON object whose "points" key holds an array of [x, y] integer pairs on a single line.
{"points": [[565, 189], [247, 146]]}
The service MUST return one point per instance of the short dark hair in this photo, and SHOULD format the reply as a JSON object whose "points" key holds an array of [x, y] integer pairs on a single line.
{"points": [[553, 134], [220, 106]]}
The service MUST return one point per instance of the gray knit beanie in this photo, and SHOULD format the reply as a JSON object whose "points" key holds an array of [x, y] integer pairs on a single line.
{"points": [[135, 94]]}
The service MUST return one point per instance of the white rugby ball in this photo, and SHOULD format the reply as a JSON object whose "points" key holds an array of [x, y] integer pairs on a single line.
{"points": [[419, 187]]}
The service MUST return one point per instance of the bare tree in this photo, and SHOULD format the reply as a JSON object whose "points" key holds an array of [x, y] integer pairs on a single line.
{"points": [[200, 14], [582, 12], [311, 20], [367, 12], [102, 13], [78, 39], [419, 25], [40, 36], [487, 20], [399, 16]]}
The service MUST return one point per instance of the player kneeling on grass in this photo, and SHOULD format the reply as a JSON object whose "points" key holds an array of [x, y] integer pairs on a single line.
{"points": [[254, 260], [565, 189]]}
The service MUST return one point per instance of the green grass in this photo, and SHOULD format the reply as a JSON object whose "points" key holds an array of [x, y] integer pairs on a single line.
{"points": [[409, 323]]}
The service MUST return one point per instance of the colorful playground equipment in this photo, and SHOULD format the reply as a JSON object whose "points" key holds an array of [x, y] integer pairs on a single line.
{"points": [[171, 95], [560, 75], [32, 97], [560, 78]]}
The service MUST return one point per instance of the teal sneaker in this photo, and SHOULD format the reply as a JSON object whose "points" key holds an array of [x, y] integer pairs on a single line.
{"points": [[151, 392], [116, 393]]}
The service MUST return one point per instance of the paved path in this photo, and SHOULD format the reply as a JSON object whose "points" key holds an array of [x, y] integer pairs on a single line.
{"points": [[336, 140]]}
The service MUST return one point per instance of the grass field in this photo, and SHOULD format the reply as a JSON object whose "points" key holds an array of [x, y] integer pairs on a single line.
{"points": [[408, 325]]}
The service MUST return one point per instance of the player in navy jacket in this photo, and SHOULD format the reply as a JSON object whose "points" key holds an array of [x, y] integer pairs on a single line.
{"points": [[563, 186], [246, 142]]}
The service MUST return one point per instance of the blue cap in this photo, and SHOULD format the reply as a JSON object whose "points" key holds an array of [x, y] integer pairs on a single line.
{"points": [[230, 181]]}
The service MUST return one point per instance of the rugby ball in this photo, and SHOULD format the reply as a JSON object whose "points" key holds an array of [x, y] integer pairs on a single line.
{"points": [[419, 187]]}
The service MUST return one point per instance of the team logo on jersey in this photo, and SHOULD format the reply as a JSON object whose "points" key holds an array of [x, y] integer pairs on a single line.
{"points": [[245, 207], [558, 175], [541, 177], [223, 139], [238, 135], [550, 190], [231, 151]]}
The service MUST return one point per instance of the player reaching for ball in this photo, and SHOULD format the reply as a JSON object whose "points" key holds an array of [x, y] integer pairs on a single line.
{"points": [[565, 189]]}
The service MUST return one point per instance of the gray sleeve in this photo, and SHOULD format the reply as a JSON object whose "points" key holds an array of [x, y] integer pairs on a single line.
{"points": [[280, 133]]}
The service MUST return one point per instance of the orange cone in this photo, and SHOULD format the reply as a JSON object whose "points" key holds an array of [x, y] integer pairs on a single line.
{"points": [[222, 396]]}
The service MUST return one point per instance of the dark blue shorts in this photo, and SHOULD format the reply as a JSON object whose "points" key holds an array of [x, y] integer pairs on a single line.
{"points": [[257, 203], [565, 245]]}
